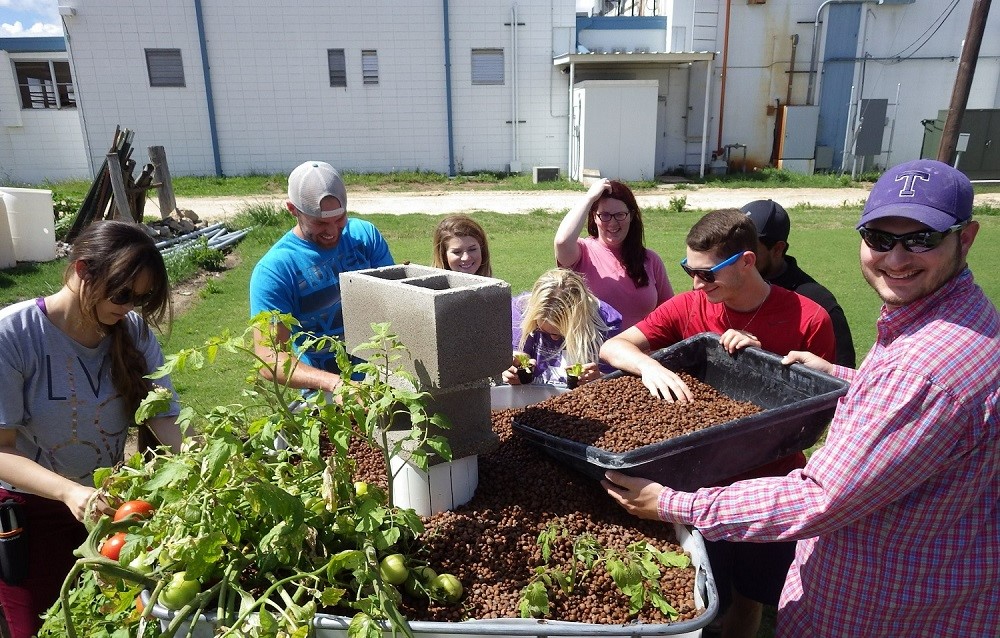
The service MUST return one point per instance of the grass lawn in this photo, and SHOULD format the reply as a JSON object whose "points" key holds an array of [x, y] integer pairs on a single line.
{"points": [[823, 240]]}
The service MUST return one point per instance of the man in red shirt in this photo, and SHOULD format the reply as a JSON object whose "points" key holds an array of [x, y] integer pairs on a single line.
{"points": [[730, 298]]}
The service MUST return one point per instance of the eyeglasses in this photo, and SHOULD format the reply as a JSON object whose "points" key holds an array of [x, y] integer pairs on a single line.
{"points": [[128, 296], [708, 274], [618, 217], [918, 242]]}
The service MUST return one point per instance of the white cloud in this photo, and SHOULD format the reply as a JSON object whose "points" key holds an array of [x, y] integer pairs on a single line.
{"points": [[37, 29]]}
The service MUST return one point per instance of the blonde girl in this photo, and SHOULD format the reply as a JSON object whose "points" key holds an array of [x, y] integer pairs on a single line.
{"points": [[558, 324]]}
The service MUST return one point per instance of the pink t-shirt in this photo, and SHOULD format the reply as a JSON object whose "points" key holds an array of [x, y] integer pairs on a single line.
{"points": [[605, 274]]}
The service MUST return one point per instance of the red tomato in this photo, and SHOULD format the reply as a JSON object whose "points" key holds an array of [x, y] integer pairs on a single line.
{"points": [[112, 547], [141, 509]]}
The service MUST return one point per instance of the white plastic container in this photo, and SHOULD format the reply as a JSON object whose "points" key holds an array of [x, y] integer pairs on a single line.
{"points": [[31, 222], [7, 259]]}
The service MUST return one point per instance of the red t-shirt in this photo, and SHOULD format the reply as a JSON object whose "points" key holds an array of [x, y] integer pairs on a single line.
{"points": [[786, 321]]}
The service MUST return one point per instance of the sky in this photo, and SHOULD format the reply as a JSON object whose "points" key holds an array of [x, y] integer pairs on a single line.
{"points": [[29, 17]]}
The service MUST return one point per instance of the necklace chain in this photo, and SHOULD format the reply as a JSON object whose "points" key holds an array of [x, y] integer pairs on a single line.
{"points": [[725, 311]]}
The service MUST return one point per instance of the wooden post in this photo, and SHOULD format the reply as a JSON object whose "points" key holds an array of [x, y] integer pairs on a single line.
{"points": [[963, 81], [118, 188], [161, 178]]}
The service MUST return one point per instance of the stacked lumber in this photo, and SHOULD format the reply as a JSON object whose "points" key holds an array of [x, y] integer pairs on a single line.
{"points": [[115, 193]]}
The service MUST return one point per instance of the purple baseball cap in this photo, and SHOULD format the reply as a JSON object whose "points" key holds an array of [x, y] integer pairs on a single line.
{"points": [[925, 190]]}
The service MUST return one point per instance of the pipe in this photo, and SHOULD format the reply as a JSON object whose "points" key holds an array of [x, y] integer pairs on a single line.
{"points": [[192, 235], [847, 133], [704, 121], [570, 169], [791, 69], [722, 85], [213, 132], [447, 92], [892, 128]]}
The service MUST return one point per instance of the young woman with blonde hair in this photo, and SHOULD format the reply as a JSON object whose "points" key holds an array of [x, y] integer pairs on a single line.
{"points": [[560, 323]]}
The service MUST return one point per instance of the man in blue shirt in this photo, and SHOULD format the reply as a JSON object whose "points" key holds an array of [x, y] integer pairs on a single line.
{"points": [[300, 273]]}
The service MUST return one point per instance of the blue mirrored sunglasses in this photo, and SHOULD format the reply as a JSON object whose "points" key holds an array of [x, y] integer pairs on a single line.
{"points": [[708, 274]]}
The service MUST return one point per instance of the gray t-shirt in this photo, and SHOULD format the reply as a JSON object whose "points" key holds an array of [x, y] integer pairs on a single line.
{"points": [[58, 394]]}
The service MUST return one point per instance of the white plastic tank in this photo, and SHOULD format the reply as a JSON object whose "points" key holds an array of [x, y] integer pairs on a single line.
{"points": [[31, 222], [7, 259]]}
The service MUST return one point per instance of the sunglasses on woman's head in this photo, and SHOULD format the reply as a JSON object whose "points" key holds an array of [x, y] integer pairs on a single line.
{"points": [[128, 296], [708, 274], [918, 242]]}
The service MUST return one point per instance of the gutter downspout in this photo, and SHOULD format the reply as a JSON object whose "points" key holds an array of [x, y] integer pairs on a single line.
{"points": [[725, 66], [570, 169], [208, 88], [704, 121], [447, 91], [515, 164]]}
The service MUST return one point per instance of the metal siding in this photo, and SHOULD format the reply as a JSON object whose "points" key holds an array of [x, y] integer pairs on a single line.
{"points": [[841, 37]]}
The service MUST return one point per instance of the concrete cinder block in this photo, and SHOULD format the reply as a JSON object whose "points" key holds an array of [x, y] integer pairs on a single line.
{"points": [[455, 326]]}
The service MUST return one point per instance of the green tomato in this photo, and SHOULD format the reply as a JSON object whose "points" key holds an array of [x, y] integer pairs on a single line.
{"points": [[315, 504], [179, 591], [446, 586], [141, 564], [393, 569], [360, 488], [420, 576]]}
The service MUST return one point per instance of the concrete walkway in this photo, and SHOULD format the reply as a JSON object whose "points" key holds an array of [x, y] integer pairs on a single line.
{"points": [[520, 202]]}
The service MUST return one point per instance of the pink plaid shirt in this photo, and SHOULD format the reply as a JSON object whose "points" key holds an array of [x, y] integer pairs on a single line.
{"points": [[897, 515]]}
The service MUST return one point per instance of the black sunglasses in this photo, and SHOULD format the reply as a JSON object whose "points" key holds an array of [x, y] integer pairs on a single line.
{"points": [[918, 242], [708, 274], [128, 296]]}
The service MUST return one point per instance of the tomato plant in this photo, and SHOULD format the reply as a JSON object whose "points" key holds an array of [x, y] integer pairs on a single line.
{"points": [[136, 508], [112, 547], [272, 533]]}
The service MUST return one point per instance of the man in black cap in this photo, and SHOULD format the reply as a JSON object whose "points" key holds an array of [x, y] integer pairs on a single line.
{"points": [[781, 269]]}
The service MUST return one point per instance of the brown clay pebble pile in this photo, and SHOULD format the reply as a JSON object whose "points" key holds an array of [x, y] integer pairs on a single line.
{"points": [[491, 545], [620, 414]]}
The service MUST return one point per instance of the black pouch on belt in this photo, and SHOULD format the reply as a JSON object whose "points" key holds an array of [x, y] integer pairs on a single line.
{"points": [[13, 544]]}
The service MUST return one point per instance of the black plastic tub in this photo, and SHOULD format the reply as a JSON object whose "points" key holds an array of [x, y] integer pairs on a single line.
{"points": [[797, 403]]}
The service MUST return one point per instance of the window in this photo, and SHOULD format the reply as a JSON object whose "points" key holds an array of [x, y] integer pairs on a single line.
{"points": [[338, 67], [487, 66], [369, 66], [45, 85], [165, 67]]}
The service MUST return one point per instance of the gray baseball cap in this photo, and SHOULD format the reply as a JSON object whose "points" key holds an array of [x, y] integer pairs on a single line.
{"points": [[310, 182]]}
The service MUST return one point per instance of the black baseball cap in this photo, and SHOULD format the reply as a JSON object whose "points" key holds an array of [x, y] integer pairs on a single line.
{"points": [[770, 219]]}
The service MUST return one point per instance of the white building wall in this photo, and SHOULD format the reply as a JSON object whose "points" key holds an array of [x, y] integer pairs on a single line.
{"points": [[36, 145], [274, 106], [759, 56]]}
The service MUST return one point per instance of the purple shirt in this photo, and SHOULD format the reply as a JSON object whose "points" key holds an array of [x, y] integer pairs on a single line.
{"points": [[897, 515]]}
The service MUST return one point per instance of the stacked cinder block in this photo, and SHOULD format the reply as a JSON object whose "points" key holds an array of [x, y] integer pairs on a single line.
{"points": [[457, 330]]}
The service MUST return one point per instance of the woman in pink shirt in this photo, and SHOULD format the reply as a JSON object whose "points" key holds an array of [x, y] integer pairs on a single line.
{"points": [[613, 258]]}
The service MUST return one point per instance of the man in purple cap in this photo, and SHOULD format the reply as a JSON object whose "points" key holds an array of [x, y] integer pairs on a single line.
{"points": [[781, 269], [897, 516], [300, 274]]}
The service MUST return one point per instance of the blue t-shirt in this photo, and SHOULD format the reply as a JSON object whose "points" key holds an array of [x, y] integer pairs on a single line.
{"points": [[549, 353], [299, 278]]}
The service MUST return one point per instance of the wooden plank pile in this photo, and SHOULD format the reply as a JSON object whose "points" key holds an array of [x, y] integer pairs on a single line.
{"points": [[115, 194]]}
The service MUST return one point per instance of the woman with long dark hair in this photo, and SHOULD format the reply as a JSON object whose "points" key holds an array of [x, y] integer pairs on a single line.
{"points": [[72, 366], [613, 258]]}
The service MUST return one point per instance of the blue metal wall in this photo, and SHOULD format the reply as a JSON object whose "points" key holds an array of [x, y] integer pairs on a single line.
{"points": [[841, 27]]}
